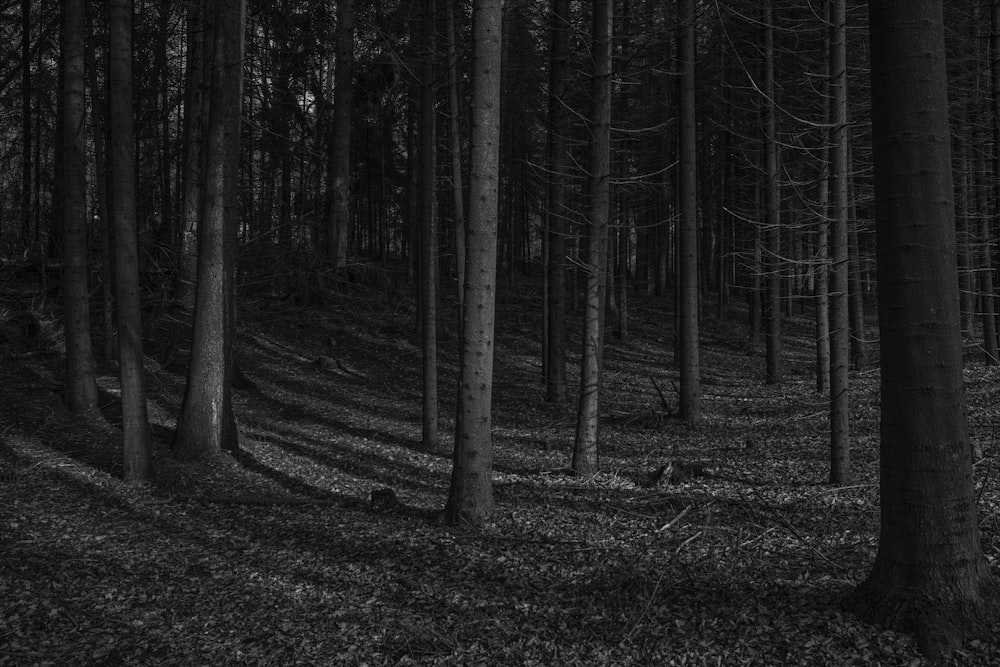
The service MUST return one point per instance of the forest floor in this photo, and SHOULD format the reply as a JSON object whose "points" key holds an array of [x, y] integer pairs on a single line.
{"points": [[278, 557]]}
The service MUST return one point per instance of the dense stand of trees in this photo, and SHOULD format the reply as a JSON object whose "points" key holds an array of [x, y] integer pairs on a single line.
{"points": [[702, 152]]}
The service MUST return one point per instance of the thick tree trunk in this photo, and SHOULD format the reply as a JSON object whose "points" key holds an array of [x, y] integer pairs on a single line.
{"points": [[428, 232], [455, 153], [929, 575], [206, 424], [687, 241], [556, 212], [588, 415], [840, 449], [470, 497], [339, 179], [772, 230], [135, 422], [81, 383]]}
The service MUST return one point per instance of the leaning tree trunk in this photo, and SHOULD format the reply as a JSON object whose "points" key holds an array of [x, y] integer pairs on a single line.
{"points": [[585, 445], [138, 466], [929, 575], [81, 383], [206, 424], [470, 497], [687, 235]]}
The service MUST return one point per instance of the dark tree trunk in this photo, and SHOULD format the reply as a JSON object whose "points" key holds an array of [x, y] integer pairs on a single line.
{"points": [[428, 231], [687, 242], [135, 423], [772, 231], [339, 179], [470, 497], [81, 382], [929, 576]]}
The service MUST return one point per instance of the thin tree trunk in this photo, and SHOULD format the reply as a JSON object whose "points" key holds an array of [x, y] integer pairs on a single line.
{"points": [[81, 382], [135, 422], [588, 416], [556, 211], [929, 575], [470, 496], [772, 231], [455, 153], [687, 250], [338, 218], [26, 154], [428, 232], [840, 451]]}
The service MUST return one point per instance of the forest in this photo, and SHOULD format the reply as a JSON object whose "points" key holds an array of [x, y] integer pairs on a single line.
{"points": [[501, 332]]}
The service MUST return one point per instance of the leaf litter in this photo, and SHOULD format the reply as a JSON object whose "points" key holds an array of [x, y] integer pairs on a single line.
{"points": [[276, 556]]}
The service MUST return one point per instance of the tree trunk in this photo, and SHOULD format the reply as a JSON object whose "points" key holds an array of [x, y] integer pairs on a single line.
{"points": [[455, 153], [81, 383], [339, 178], [840, 449], [194, 119], [206, 424], [428, 232], [929, 576], [772, 230], [470, 497], [556, 211], [26, 161], [687, 242], [135, 423], [588, 416]]}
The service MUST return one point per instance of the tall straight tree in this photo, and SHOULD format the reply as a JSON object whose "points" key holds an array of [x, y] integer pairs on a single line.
{"points": [[556, 214], [339, 174], [772, 230], [206, 424], [840, 448], [687, 250], [81, 382], [26, 121], [135, 422], [929, 575], [599, 187], [455, 153], [470, 497], [428, 230]]}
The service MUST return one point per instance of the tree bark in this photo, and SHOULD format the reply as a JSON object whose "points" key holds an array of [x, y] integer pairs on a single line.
{"points": [[339, 179], [470, 497], [206, 424], [687, 242], [135, 422], [556, 212], [81, 382], [26, 161], [772, 230], [588, 415], [840, 446], [929, 575], [428, 231], [455, 153]]}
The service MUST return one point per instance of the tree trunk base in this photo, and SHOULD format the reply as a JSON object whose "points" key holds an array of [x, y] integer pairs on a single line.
{"points": [[938, 626]]}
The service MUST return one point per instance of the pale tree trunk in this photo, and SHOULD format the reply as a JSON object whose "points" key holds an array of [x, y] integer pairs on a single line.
{"points": [[687, 242], [588, 415], [772, 230], [556, 213], [428, 232], [81, 383], [821, 287], [840, 345], [929, 575], [470, 496], [206, 424], [194, 120], [339, 176], [138, 465]]}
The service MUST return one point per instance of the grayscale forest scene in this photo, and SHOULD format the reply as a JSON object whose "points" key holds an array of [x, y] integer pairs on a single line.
{"points": [[485, 332]]}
